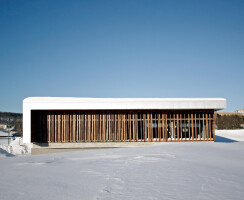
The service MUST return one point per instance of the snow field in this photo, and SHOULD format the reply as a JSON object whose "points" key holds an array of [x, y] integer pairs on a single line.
{"points": [[187, 170]]}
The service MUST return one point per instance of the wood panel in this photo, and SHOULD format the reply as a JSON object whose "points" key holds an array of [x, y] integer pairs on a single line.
{"points": [[123, 126]]}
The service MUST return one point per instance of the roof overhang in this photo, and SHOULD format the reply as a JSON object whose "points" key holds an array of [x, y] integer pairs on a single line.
{"points": [[69, 103]]}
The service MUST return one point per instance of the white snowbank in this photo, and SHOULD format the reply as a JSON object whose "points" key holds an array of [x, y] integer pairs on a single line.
{"points": [[16, 147], [235, 135]]}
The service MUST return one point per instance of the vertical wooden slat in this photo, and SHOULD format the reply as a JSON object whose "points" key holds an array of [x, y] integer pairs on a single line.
{"points": [[195, 121], [203, 127], [170, 127], [115, 127], [103, 129], [100, 127], [109, 128], [189, 126], [65, 127], [192, 127], [163, 129], [63, 130], [144, 126], [124, 136], [49, 127], [126, 127], [94, 122], [210, 126], [129, 126], [74, 127], [181, 127], [159, 127], [85, 127], [133, 126], [174, 126], [70, 127], [118, 127], [214, 118], [148, 127], [94, 127], [206, 115], [62, 124], [122, 127], [105, 126], [200, 133], [112, 127], [141, 126], [89, 127], [64, 139], [177, 116], [59, 128], [55, 128], [185, 124], [136, 127], [79, 126]]}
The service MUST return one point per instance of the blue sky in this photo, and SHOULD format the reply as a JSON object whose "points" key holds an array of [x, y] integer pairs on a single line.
{"points": [[121, 48]]}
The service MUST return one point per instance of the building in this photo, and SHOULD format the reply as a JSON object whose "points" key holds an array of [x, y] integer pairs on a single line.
{"points": [[239, 111], [84, 120]]}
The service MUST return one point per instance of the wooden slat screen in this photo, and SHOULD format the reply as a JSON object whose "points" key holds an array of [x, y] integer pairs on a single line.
{"points": [[122, 126]]}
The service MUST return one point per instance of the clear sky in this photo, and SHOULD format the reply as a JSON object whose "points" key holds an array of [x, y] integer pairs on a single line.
{"points": [[121, 48]]}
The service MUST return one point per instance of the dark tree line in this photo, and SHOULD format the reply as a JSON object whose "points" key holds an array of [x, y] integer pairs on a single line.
{"points": [[10, 118], [229, 121]]}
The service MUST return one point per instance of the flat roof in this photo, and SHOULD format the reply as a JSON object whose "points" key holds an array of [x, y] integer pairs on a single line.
{"points": [[74, 103]]}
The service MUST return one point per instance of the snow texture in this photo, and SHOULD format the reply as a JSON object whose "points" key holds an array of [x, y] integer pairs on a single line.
{"points": [[16, 147], [179, 170]]}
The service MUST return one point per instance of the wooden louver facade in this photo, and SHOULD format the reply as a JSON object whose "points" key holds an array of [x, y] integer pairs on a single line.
{"points": [[122, 126]]}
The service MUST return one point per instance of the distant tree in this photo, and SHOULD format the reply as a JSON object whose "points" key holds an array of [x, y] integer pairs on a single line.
{"points": [[18, 128], [229, 121]]}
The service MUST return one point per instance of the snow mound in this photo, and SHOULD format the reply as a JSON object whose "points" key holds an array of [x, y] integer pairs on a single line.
{"points": [[235, 135], [16, 147]]}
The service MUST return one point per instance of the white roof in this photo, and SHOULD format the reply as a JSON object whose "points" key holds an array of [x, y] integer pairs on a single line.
{"points": [[72, 103]]}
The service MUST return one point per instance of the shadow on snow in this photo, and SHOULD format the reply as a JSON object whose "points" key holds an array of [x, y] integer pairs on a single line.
{"points": [[223, 139]]}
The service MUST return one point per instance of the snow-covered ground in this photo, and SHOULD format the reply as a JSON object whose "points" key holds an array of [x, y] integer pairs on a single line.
{"points": [[235, 135], [187, 170]]}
